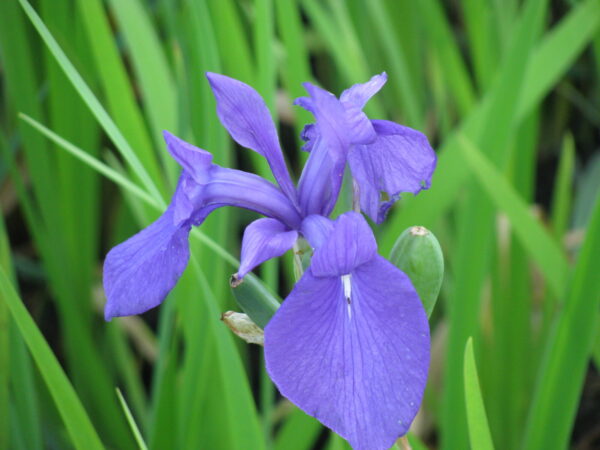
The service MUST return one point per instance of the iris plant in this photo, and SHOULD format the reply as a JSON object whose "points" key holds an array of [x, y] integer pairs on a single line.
{"points": [[350, 343]]}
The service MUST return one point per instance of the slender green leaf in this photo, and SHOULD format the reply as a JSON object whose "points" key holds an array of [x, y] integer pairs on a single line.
{"points": [[567, 351], [74, 416], [91, 100], [479, 432], [134, 428], [158, 91], [534, 237], [119, 92], [563, 187]]}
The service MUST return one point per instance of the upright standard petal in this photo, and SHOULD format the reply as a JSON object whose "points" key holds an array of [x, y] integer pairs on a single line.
{"points": [[359, 94], [140, 272], [337, 128], [245, 115], [329, 143], [399, 160], [353, 353], [264, 239]]}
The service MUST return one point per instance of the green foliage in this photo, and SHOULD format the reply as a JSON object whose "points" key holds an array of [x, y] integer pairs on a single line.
{"points": [[479, 432], [501, 88]]}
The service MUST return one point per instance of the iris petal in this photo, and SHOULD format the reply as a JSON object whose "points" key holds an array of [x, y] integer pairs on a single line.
{"points": [[316, 229], [140, 272], [350, 244], [245, 115], [361, 93], [264, 239], [358, 366], [208, 186], [194, 160], [231, 187], [323, 173], [399, 160]]}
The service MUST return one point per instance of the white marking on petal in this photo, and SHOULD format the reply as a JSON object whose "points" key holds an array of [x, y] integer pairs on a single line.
{"points": [[347, 292]]}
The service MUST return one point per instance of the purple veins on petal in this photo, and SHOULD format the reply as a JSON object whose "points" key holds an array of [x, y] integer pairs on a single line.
{"points": [[352, 350], [264, 239]]}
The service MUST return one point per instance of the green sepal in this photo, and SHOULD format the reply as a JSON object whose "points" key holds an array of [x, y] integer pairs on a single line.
{"points": [[254, 298], [417, 253]]}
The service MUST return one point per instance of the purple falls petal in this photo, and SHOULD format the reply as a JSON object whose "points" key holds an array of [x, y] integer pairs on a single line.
{"points": [[400, 160], [264, 239], [195, 161], [359, 94], [140, 272], [231, 187], [360, 367], [207, 186], [245, 115], [350, 244]]}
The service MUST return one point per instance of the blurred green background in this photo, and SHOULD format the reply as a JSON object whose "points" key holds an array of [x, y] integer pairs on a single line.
{"points": [[507, 92]]}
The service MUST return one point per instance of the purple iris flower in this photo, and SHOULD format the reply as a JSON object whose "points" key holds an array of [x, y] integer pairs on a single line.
{"points": [[350, 344]]}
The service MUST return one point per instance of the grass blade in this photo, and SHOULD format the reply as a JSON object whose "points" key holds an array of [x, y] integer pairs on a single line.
{"points": [[535, 238], [479, 431], [116, 86], [92, 162], [90, 99], [134, 428], [158, 91], [75, 418], [563, 189], [567, 351]]}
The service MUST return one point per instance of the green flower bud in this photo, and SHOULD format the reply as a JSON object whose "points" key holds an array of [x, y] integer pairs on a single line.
{"points": [[417, 253], [254, 298]]}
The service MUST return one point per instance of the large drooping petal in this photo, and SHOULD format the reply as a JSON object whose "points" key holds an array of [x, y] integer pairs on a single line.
{"points": [[245, 115], [208, 186], [264, 239], [231, 187], [399, 160], [195, 161], [354, 353], [359, 94], [350, 244], [140, 272]]}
